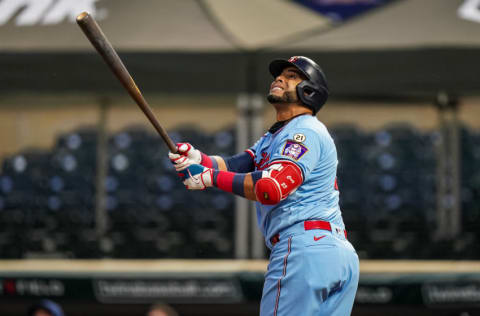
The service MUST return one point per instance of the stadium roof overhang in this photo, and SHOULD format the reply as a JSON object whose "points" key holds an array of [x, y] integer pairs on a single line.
{"points": [[407, 47]]}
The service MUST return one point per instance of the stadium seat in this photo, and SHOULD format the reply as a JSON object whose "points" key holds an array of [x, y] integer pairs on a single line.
{"points": [[386, 178], [399, 171]]}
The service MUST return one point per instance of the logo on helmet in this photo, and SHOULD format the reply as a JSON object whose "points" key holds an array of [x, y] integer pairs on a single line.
{"points": [[293, 59]]}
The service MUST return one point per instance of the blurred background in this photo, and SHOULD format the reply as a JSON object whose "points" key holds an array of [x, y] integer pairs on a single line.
{"points": [[93, 216]]}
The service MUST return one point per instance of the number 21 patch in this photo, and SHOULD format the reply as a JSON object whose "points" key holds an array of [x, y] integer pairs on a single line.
{"points": [[294, 149], [299, 138]]}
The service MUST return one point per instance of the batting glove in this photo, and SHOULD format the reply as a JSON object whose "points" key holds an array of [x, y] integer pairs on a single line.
{"points": [[197, 177], [186, 155]]}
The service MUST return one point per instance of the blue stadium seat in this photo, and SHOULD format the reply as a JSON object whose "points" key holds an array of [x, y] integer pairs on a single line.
{"points": [[386, 179]]}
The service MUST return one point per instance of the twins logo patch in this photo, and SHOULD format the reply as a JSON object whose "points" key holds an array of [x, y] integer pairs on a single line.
{"points": [[294, 149]]}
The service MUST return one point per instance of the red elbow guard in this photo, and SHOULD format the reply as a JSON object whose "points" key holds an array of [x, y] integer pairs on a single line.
{"points": [[268, 191], [280, 179]]}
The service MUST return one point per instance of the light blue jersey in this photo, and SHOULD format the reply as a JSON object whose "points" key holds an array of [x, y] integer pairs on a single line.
{"points": [[313, 269], [306, 142]]}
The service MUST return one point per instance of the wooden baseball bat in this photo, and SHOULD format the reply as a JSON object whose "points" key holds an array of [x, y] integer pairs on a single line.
{"points": [[95, 35]]}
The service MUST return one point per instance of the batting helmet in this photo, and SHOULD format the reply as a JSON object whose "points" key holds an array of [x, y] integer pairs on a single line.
{"points": [[313, 92]]}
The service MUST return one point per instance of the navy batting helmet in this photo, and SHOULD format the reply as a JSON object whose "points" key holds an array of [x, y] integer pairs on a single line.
{"points": [[313, 92]]}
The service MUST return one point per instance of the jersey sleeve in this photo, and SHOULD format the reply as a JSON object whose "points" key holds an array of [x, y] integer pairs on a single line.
{"points": [[253, 149], [301, 146], [241, 163]]}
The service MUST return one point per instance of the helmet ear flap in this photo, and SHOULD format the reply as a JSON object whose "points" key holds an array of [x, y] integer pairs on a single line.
{"points": [[313, 97]]}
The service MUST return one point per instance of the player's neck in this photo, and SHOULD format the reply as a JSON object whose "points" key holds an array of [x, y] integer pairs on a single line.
{"points": [[285, 113]]}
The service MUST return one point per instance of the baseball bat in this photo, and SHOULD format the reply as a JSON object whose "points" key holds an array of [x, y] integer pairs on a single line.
{"points": [[95, 35]]}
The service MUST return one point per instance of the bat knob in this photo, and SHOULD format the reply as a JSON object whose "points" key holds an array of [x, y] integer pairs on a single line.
{"points": [[82, 16]]}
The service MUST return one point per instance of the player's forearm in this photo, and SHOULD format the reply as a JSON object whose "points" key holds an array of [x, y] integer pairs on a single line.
{"points": [[221, 165], [214, 162], [240, 163], [241, 184], [267, 187]]}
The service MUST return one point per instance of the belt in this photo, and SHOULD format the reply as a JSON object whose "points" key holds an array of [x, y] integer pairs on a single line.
{"points": [[309, 225]]}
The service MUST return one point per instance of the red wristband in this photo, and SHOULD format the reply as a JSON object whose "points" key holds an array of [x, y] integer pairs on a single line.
{"points": [[224, 180], [206, 161]]}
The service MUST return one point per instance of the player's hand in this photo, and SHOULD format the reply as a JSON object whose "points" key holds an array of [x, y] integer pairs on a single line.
{"points": [[186, 155], [197, 177]]}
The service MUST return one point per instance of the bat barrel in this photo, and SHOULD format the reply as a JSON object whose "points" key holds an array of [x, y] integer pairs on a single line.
{"points": [[95, 35]]}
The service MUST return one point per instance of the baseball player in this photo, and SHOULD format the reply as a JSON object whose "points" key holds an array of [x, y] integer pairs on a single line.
{"points": [[291, 174]]}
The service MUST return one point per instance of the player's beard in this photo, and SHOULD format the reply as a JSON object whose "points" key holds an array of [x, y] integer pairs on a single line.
{"points": [[287, 97]]}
